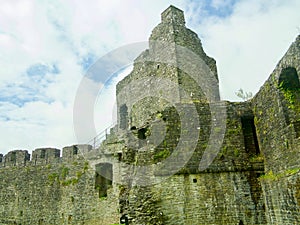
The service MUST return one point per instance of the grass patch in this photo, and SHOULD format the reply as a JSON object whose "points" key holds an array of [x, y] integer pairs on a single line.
{"points": [[163, 154], [272, 176]]}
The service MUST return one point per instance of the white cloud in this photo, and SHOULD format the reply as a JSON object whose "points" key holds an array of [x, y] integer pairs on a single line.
{"points": [[65, 33], [106, 102], [221, 3], [249, 43], [35, 125]]}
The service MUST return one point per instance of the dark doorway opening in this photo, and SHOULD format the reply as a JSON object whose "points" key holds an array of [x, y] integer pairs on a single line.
{"points": [[123, 116], [103, 179], [288, 79], [142, 133], [250, 137], [124, 219]]}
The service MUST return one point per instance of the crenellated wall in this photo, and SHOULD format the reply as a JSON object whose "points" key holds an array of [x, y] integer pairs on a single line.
{"points": [[43, 156], [16, 158], [49, 189]]}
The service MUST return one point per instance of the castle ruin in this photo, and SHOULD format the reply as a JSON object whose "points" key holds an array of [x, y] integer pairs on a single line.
{"points": [[178, 155]]}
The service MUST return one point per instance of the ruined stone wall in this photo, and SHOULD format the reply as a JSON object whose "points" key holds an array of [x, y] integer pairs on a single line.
{"points": [[277, 112], [229, 186], [277, 115], [53, 190], [211, 198], [282, 197]]}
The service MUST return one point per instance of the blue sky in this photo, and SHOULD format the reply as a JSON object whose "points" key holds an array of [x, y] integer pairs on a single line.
{"points": [[47, 46]]}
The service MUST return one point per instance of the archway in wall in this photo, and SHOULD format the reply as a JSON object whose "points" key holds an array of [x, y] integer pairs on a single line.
{"points": [[103, 178], [289, 79], [289, 86], [250, 136]]}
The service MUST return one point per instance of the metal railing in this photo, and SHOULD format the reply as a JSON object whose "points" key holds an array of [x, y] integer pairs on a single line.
{"points": [[97, 140]]}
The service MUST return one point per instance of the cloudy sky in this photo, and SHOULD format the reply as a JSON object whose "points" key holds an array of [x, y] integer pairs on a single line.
{"points": [[47, 46]]}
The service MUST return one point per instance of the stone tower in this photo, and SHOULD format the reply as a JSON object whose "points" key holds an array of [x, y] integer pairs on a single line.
{"points": [[172, 93], [174, 69]]}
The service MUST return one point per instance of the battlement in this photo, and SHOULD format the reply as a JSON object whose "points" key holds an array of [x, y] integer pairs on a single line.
{"points": [[70, 152], [17, 158], [43, 156]]}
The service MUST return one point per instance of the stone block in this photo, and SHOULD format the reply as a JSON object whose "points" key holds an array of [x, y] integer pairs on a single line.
{"points": [[72, 151], [16, 158], [45, 155]]}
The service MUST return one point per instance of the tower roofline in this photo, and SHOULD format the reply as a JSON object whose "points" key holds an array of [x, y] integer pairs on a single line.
{"points": [[172, 7], [173, 14]]}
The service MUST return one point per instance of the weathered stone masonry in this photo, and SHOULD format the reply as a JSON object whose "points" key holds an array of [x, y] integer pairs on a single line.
{"points": [[253, 179]]}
